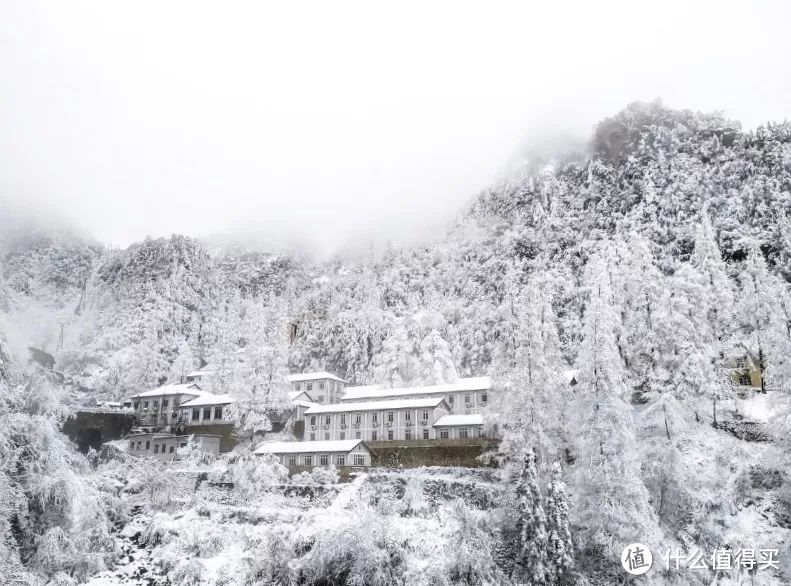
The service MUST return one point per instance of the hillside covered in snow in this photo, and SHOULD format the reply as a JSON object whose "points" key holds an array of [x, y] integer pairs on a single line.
{"points": [[654, 266]]}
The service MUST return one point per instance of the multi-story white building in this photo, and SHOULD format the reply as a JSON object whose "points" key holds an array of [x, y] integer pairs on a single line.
{"points": [[161, 407], [322, 387], [399, 419], [466, 396]]}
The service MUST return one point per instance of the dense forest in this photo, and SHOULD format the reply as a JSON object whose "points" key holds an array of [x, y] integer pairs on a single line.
{"points": [[650, 265]]}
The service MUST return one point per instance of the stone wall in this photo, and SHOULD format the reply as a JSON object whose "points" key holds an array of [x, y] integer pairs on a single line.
{"points": [[90, 429], [436, 452]]}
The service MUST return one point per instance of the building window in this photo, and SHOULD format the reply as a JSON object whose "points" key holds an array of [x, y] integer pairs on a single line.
{"points": [[164, 404], [358, 435], [358, 459], [357, 418], [463, 433], [137, 405], [206, 413], [321, 386], [373, 436], [327, 436], [324, 460], [131, 445], [425, 415], [480, 432], [425, 433], [443, 433], [172, 448], [196, 414], [320, 399], [310, 386], [375, 417], [484, 398], [390, 434], [139, 444], [218, 412], [390, 416], [343, 418], [741, 362], [408, 434], [340, 460], [450, 399], [745, 380], [148, 445], [408, 415], [466, 398], [343, 435], [145, 404], [313, 420], [156, 448], [308, 460], [183, 445], [313, 437], [292, 460], [327, 420]]}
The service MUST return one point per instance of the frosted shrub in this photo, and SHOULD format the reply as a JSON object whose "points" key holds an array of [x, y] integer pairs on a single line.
{"points": [[188, 572], [317, 476], [252, 474]]}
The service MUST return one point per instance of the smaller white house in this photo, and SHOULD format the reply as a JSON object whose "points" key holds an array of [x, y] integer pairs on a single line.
{"points": [[206, 409], [353, 453], [201, 374], [322, 387], [164, 446], [459, 426]]}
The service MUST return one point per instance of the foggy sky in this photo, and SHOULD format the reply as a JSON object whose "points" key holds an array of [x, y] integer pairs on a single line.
{"points": [[332, 123]]}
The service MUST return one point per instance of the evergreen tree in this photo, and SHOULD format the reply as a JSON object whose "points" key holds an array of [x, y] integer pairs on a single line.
{"points": [[531, 562], [560, 547]]}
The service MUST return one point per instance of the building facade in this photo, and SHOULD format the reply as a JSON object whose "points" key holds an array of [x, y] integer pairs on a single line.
{"points": [[165, 446], [352, 453], [466, 396], [398, 419]]}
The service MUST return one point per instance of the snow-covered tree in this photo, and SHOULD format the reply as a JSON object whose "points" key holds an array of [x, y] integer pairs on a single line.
{"points": [[531, 563], [560, 549]]}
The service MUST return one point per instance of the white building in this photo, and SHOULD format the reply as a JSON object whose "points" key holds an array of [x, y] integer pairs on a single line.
{"points": [[322, 387], [464, 397], [399, 419], [459, 426], [206, 409], [160, 407], [164, 446], [353, 453]]}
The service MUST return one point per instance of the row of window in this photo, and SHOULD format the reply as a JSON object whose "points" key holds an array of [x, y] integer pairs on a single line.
{"points": [[390, 434], [158, 448], [196, 413], [320, 385], [155, 404], [325, 459], [356, 418]]}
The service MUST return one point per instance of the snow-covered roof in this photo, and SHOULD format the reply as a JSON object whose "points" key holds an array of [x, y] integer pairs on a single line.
{"points": [[308, 376], [293, 395], [454, 420], [474, 383], [209, 399], [301, 403], [375, 405], [308, 447], [172, 389]]}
